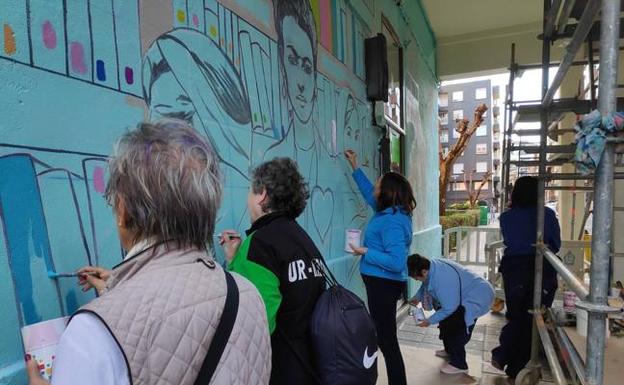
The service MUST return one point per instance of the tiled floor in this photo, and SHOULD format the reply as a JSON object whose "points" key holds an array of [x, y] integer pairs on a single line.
{"points": [[422, 366]]}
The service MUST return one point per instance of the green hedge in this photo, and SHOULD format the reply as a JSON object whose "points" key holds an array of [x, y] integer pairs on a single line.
{"points": [[460, 206]]}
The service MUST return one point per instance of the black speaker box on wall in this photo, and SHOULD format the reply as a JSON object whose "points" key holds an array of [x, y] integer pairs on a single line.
{"points": [[376, 62]]}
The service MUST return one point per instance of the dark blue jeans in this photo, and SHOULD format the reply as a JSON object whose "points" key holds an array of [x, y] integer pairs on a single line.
{"points": [[455, 345], [514, 350]]}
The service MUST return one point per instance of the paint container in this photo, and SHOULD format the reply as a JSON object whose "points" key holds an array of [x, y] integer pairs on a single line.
{"points": [[418, 314], [352, 237], [569, 300], [40, 341]]}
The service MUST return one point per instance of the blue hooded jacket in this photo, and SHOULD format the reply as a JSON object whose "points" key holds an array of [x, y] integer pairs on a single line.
{"points": [[388, 237]]}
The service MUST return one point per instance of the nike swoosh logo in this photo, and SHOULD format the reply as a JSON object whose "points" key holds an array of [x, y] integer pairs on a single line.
{"points": [[368, 361]]}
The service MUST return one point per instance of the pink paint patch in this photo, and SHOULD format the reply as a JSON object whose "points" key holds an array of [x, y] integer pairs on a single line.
{"points": [[76, 54], [334, 135], [98, 180], [195, 21], [49, 35]]}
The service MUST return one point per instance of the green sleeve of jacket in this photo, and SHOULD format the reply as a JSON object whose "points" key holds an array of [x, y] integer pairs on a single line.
{"points": [[253, 261]]}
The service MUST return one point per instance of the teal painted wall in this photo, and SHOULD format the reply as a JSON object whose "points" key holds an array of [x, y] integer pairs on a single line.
{"points": [[76, 74]]}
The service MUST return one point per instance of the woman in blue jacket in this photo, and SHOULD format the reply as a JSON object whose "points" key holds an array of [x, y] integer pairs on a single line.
{"points": [[383, 266], [459, 297]]}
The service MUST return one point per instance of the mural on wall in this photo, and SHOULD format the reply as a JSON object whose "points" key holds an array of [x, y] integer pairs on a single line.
{"points": [[74, 78]]}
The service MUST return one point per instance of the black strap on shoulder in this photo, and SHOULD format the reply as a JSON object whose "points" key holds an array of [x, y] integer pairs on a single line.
{"points": [[222, 333]]}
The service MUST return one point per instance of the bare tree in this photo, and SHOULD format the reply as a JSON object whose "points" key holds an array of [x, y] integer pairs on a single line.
{"points": [[473, 194], [465, 129]]}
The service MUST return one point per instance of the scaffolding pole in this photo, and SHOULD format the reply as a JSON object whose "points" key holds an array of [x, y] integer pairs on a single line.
{"points": [[534, 363], [508, 130], [580, 33], [603, 195]]}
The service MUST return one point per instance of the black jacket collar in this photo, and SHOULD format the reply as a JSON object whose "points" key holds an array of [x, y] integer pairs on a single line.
{"points": [[265, 220]]}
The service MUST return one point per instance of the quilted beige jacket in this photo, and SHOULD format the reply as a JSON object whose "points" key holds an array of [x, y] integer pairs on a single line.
{"points": [[163, 307]]}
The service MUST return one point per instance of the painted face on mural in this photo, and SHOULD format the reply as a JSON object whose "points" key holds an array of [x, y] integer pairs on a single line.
{"points": [[298, 62], [352, 130], [169, 99]]}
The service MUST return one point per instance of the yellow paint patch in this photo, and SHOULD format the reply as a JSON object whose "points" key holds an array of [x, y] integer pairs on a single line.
{"points": [[213, 31], [181, 15], [10, 46]]}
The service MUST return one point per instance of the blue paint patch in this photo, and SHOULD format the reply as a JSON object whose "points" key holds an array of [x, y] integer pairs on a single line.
{"points": [[27, 239], [100, 70]]}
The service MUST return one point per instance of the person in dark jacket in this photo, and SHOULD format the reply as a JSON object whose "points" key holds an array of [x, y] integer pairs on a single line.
{"points": [[383, 265], [518, 227], [278, 258]]}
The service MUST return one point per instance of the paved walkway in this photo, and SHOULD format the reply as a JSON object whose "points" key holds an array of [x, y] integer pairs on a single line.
{"points": [[422, 366]]}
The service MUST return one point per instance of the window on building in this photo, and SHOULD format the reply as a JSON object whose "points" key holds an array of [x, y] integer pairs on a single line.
{"points": [[481, 93], [458, 96], [459, 186], [445, 151], [444, 136], [486, 185], [443, 99], [444, 118], [458, 168], [458, 114], [481, 148], [394, 107], [482, 166], [482, 130]]}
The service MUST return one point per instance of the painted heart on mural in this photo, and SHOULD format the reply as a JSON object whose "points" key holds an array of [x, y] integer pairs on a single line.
{"points": [[322, 201]]}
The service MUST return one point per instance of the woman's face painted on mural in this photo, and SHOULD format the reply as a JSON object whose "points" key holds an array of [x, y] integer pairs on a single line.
{"points": [[352, 137], [298, 62], [168, 99]]}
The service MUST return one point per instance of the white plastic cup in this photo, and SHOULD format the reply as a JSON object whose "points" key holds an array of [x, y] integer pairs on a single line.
{"points": [[418, 314], [352, 237], [615, 292], [40, 341]]}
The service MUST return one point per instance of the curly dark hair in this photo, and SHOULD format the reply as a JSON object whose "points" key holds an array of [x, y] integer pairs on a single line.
{"points": [[286, 188]]}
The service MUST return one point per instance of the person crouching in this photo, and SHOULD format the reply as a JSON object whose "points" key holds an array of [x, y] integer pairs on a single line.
{"points": [[458, 296]]}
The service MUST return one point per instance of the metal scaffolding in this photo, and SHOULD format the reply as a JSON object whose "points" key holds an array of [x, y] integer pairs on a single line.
{"points": [[549, 112]]}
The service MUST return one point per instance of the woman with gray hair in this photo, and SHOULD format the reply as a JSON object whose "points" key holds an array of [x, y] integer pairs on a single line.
{"points": [[159, 316]]}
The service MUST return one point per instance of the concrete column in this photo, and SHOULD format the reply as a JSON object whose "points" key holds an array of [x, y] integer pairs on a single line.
{"points": [[567, 209]]}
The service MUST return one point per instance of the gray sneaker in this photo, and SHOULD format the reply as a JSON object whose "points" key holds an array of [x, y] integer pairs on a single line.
{"points": [[450, 369], [442, 354]]}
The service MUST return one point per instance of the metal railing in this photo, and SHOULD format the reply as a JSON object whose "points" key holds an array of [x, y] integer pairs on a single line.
{"points": [[466, 245], [494, 252]]}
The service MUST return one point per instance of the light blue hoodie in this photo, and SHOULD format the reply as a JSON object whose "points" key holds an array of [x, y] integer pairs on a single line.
{"points": [[388, 237], [442, 284]]}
